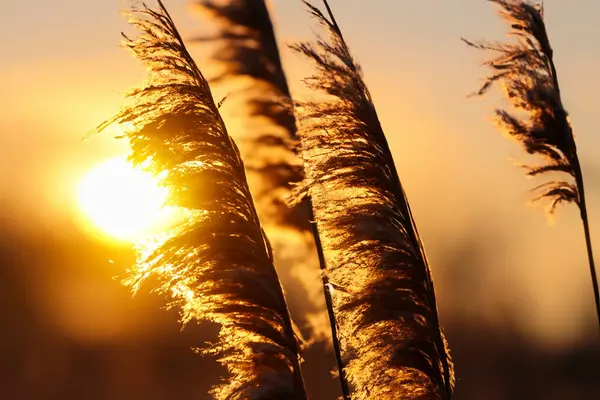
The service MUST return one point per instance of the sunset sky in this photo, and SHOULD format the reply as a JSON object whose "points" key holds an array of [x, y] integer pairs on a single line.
{"points": [[62, 72]]}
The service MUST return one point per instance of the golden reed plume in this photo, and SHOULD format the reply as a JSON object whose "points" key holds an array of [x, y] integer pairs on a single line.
{"points": [[526, 68], [218, 264], [383, 293]]}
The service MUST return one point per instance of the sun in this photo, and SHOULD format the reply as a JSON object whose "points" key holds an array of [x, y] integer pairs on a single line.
{"points": [[124, 202]]}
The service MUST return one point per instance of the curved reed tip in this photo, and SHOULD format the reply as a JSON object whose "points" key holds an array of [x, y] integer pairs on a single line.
{"points": [[526, 69]]}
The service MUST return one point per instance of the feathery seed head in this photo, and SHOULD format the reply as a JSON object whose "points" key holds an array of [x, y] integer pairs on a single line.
{"points": [[384, 298], [526, 69], [217, 264]]}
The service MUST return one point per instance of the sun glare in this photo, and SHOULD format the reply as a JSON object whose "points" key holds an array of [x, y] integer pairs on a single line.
{"points": [[122, 201]]}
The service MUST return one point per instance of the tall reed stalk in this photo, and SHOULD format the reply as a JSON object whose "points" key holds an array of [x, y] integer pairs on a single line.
{"points": [[527, 70], [249, 50], [217, 264], [383, 294]]}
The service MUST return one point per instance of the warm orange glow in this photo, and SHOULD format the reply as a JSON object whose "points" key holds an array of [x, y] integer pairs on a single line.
{"points": [[122, 201]]}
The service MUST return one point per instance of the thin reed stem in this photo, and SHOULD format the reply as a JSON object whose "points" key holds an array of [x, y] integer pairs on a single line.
{"points": [[249, 48], [329, 305], [588, 240], [582, 202]]}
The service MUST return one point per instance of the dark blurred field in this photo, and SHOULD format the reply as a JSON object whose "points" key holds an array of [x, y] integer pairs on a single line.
{"points": [[71, 331]]}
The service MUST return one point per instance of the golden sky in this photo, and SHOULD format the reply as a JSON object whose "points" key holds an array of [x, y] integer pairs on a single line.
{"points": [[62, 72]]}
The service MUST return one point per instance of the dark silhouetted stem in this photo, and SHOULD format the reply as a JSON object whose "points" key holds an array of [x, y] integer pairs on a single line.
{"points": [[588, 240], [582, 204], [329, 304], [319, 248]]}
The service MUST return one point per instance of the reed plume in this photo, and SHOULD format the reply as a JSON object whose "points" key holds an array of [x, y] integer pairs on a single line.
{"points": [[218, 263], [247, 52], [383, 293], [248, 49], [527, 70]]}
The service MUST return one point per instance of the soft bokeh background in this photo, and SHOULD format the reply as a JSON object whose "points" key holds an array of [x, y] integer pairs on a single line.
{"points": [[514, 291]]}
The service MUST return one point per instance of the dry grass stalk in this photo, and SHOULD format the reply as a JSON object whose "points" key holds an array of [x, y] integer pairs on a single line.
{"points": [[383, 293], [218, 264], [248, 49], [526, 68]]}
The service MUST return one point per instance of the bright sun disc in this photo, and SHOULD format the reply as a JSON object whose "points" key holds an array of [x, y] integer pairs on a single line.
{"points": [[122, 201]]}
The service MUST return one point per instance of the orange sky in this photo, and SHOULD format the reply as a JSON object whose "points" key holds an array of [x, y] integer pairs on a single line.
{"points": [[62, 72]]}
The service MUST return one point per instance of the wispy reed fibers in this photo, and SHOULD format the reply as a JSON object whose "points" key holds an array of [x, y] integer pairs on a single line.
{"points": [[248, 49], [217, 264], [526, 69], [383, 294], [247, 55]]}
